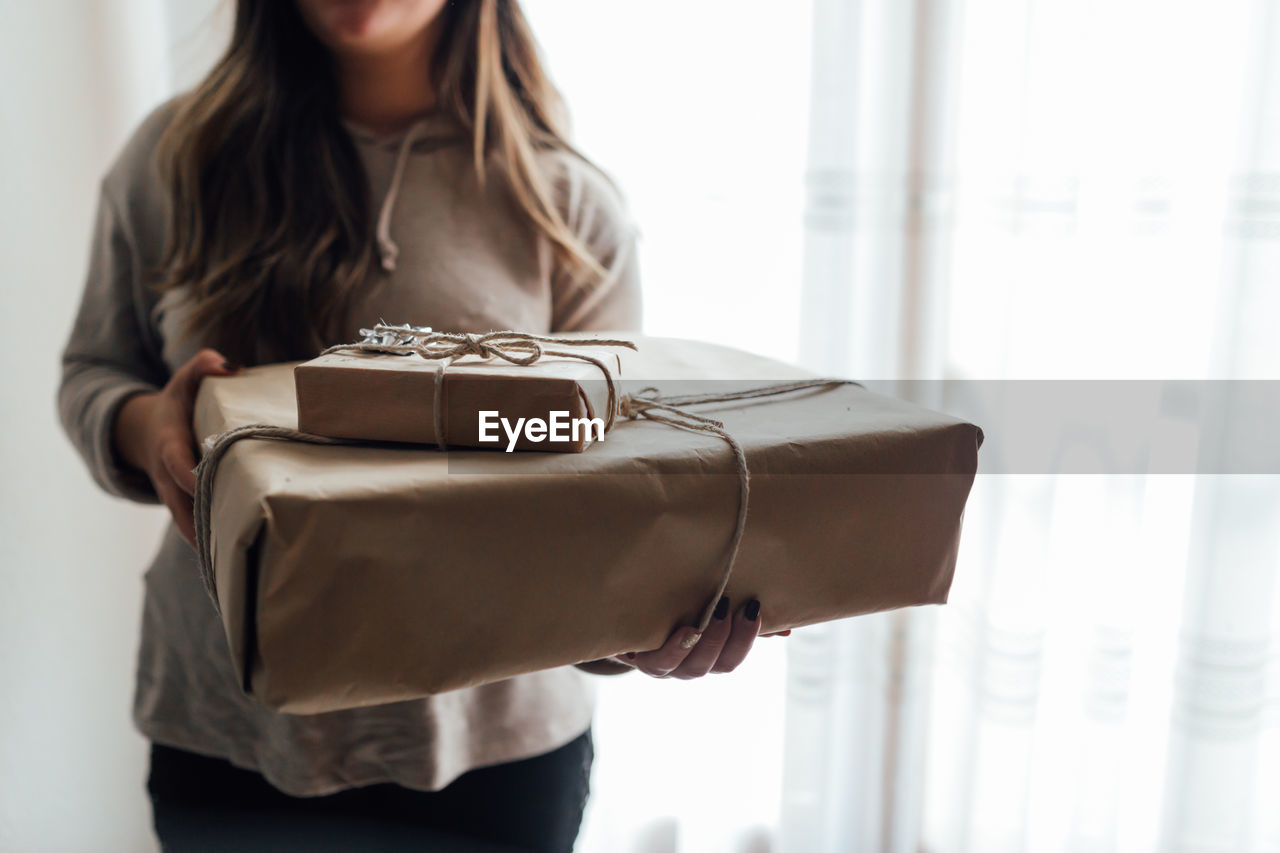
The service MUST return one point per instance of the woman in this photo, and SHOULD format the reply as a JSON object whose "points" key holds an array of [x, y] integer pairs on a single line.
{"points": [[345, 162]]}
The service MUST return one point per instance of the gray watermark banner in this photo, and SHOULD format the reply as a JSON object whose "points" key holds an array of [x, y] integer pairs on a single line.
{"points": [[1047, 427], [1117, 427]]}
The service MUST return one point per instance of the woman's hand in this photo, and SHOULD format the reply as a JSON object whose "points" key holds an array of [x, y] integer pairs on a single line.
{"points": [[686, 654], [153, 434]]}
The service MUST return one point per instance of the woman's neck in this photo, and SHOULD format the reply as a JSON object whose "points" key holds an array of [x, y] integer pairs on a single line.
{"points": [[387, 92]]}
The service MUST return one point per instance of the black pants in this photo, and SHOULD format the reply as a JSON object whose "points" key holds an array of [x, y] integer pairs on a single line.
{"points": [[207, 804]]}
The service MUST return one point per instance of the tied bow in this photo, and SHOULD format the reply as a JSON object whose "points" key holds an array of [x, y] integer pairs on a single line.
{"points": [[517, 348]]}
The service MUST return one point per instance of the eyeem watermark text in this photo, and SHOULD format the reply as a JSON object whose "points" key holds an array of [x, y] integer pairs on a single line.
{"points": [[560, 427]]}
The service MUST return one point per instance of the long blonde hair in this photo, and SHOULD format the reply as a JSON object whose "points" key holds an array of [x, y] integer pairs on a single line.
{"points": [[271, 226]]}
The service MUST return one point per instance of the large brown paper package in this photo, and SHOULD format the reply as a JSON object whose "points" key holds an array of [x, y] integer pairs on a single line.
{"points": [[347, 395], [352, 576]]}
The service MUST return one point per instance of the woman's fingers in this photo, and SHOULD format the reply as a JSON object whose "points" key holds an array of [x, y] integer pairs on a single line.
{"points": [[687, 654], [179, 463], [746, 624], [661, 661], [179, 505], [704, 655], [186, 380]]}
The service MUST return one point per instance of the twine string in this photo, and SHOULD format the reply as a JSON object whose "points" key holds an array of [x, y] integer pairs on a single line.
{"points": [[650, 404], [216, 447]]}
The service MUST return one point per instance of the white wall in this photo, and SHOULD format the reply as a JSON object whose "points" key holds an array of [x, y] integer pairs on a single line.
{"points": [[78, 76]]}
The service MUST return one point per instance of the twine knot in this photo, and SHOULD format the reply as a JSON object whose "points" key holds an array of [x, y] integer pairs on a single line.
{"points": [[632, 406], [472, 344]]}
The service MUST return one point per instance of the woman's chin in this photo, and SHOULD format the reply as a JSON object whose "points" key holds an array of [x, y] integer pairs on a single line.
{"points": [[368, 27]]}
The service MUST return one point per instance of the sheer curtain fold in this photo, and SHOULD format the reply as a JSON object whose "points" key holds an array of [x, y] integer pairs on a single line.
{"points": [[1041, 189]]}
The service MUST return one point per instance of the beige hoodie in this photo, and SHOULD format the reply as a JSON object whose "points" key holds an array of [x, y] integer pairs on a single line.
{"points": [[457, 257]]}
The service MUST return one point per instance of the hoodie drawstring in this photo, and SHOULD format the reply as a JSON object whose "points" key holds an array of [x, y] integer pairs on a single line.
{"points": [[387, 248]]}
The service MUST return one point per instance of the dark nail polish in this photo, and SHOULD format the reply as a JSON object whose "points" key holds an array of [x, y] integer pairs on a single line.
{"points": [[230, 365], [752, 611], [722, 608]]}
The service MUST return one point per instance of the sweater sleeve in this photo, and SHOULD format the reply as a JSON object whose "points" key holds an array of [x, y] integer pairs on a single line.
{"points": [[596, 213], [107, 359]]}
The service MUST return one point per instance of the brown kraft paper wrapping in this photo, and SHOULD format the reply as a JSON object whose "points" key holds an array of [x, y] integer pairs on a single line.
{"points": [[390, 398], [352, 576]]}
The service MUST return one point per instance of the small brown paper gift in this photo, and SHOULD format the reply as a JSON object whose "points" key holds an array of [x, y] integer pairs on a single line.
{"points": [[357, 391], [357, 575]]}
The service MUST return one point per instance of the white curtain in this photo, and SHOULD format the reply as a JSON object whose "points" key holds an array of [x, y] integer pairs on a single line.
{"points": [[1042, 189]]}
